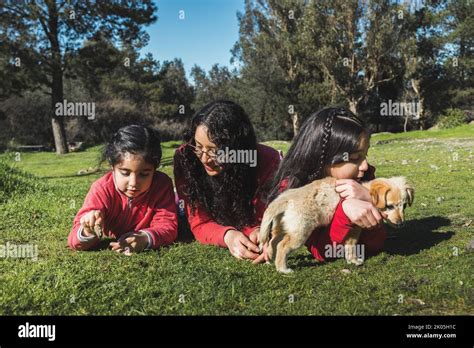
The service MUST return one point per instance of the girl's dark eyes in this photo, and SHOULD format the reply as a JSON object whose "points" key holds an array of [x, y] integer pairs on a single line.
{"points": [[128, 174], [357, 159]]}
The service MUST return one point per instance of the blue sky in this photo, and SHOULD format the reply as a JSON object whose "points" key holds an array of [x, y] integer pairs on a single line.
{"points": [[204, 37]]}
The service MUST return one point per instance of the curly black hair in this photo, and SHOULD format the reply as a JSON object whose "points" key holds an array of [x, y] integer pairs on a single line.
{"points": [[226, 197], [326, 138]]}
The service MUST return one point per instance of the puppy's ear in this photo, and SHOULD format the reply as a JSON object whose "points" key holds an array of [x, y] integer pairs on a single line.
{"points": [[378, 192], [410, 194]]}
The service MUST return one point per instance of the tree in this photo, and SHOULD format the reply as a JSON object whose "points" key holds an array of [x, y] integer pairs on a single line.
{"points": [[51, 31], [422, 52], [176, 94], [355, 44], [270, 52], [218, 83], [459, 24], [96, 60]]}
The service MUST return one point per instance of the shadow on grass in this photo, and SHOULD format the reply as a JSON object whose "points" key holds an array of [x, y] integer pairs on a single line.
{"points": [[75, 176], [304, 261], [184, 236], [102, 171], [102, 245], [417, 235]]}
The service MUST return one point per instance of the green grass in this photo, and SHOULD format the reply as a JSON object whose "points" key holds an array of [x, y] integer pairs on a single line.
{"points": [[427, 260]]}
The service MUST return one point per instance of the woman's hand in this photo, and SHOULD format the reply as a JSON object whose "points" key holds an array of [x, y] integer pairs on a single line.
{"points": [[348, 188], [263, 257], [89, 222], [130, 243], [253, 236], [240, 246], [362, 213]]}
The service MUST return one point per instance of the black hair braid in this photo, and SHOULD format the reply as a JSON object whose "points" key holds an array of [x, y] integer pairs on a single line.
{"points": [[324, 139], [324, 144]]}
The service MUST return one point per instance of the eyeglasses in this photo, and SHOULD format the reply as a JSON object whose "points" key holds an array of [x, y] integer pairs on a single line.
{"points": [[211, 153]]}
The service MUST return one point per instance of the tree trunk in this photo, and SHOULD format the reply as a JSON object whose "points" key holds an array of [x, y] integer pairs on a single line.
{"points": [[59, 133], [421, 110], [59, 136], [296, 123], [422, 113], [353, 106]]}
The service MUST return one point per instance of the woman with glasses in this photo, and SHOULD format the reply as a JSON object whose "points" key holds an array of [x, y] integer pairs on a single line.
{"points": [[221, 176]]}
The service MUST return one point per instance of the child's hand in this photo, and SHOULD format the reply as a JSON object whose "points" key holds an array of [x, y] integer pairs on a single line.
{"points": [[91, 221], [348, 188], [362, 213], [130, 243]]}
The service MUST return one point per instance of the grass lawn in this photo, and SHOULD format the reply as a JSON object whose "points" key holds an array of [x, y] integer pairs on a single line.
{"points": [[426, 267]]}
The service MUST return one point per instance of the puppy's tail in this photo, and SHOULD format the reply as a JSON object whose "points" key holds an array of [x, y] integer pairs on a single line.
{"points": [[270, 218]]}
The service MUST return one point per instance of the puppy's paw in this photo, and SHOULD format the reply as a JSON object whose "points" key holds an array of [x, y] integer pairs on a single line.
{"points": [[286, 270], [355, 261]]}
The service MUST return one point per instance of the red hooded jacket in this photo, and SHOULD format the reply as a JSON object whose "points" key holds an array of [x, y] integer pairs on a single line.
{"points": [[153, 212]]}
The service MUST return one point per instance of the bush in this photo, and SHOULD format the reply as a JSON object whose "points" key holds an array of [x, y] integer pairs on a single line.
{"points": [[26, 118], [452, 118], [170, 130], [111, 114]]}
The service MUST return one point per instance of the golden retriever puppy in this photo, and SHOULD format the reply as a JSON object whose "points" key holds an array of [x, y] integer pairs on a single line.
{"points": [[295, 213]]}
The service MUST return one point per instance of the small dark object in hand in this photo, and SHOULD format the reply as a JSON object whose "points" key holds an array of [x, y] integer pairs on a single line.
{"points": [[98, 231]]}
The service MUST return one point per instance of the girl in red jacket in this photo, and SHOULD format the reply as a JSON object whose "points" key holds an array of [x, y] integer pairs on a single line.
{"points": [[132, 203], [220, 175], [334, 142]]}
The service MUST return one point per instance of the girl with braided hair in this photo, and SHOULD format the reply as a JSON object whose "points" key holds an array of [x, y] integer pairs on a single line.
{"points": [[334, 142]]}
